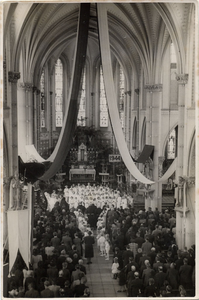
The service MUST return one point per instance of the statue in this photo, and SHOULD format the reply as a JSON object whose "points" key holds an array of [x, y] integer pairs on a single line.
{"points": [[148, 168]]}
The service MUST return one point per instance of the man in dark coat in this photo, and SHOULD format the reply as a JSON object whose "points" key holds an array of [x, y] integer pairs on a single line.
{"points": [[185, 274], [136, 286], [160, 278], [89, 241], [47, 293], [31, 293]]}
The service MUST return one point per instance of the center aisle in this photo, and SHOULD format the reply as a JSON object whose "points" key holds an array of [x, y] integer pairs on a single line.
{"points": [[99, 277]]}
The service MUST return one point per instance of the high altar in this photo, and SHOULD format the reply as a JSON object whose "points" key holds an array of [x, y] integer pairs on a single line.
{"points": [[83, 168]]}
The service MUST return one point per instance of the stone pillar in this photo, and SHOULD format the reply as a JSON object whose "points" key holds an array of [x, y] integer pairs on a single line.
{"points": [[160, 169], [51, 121], [185, 214], [6, 188], [35, 116], [38, 97], [25, 117], [137, 91], [154, 100], [12, 79], [182, 80]]}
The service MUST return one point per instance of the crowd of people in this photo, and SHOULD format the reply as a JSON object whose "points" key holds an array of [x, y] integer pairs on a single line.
{"points": [[145, 258]]}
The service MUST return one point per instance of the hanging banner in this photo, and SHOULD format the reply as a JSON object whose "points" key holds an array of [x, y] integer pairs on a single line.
{"points": [[170, 171], [146, 153], [18, 235], [111, 96], [70, 119], [13, 239]]}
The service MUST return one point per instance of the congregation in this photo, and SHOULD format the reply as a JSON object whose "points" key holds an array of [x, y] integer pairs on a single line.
{"points": [[145, 258]]}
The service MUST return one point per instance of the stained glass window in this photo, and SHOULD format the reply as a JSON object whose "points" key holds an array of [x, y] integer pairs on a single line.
{"points": [[59, 93], [42, 100], [81, 118], [171, 145], [121, 93], [103, 102]]}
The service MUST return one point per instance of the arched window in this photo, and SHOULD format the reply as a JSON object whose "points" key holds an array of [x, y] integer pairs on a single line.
{"points": [[171, 145], [121, 96], [81, 118], [103, 102], [42, 100], [143, 136], [134, 138], [59, 93]]}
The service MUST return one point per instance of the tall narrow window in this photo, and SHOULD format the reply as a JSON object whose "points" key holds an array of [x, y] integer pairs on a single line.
{"points": [[171, 145], [81, 118], [42, 100], [59, 93], [103, 102], [121, 95]]}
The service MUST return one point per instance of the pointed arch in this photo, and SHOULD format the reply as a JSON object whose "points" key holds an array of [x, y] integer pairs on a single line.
{"points": [[143, 136], [134, 136]]}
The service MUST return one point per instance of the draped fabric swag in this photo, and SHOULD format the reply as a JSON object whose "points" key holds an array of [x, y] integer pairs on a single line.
{"points": [[64, 143], [111, 97], [170, 171]]}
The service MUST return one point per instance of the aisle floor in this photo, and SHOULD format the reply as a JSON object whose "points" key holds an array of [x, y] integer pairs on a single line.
{"points": [[100, 281]]}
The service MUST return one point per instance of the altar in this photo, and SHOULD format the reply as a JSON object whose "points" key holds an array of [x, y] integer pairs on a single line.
{"points": [[82, 175], [82, 169]]}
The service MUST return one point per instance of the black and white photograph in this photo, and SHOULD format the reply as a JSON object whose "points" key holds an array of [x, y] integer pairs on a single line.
{"points": [[99, 149]]}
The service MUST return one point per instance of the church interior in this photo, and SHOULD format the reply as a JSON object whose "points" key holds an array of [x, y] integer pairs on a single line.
{"points": [[99, 125]]}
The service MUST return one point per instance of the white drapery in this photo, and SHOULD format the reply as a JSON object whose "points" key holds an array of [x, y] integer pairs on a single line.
{"points": [[18, 235], [170, 171], [111, 96]]}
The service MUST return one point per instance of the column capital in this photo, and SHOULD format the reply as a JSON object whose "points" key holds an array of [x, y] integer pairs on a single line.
{"points": [[27, 86], [190, 181], [151, 88], [127, 93], [182, 79], [34, 89], [13, 76], [137, 91]]}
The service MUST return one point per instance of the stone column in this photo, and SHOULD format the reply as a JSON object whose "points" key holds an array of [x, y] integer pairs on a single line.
{"points": [[12, 79], [25, 117], [182, 80], [38, 97], [51, 121], [35, 116], [137, 91], [154, 100], [160, 169]]}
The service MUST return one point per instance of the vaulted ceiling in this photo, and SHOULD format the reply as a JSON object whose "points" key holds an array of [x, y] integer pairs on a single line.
{"points": [[139, 33]]}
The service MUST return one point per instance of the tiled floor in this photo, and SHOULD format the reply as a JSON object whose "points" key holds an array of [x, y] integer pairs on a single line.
{"points": [[99, 277]]}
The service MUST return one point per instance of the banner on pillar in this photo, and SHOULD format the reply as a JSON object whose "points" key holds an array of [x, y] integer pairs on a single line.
{"points": [[18, 235], [145, 154]]}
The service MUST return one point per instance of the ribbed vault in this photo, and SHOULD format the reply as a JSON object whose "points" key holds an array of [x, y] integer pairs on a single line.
{"points": [[139, 33]]}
